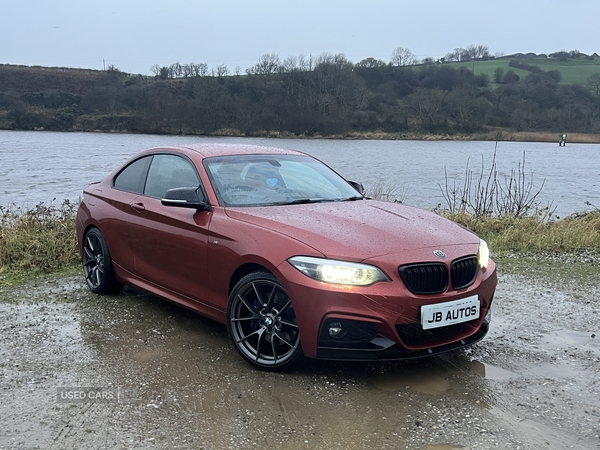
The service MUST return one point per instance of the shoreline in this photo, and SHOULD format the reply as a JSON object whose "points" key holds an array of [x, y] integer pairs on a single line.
{"points": [[495, 135], [499, 135]]}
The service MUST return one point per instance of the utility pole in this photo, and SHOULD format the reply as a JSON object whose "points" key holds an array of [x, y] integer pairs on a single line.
{"points": [[104, 64]]}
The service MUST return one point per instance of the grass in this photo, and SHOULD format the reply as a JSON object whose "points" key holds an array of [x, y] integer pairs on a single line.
{"points": [[572, 71], [37, 241], [43, 240], [533, 234]]}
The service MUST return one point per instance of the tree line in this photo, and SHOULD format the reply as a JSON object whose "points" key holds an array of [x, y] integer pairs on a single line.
{"points": [[323, 95]]}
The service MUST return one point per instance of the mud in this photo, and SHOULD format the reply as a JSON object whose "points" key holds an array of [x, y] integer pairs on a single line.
{"points": [[178, 383]]}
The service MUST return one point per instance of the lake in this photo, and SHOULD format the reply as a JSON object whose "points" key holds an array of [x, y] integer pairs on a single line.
{"points": [[47, 166]]}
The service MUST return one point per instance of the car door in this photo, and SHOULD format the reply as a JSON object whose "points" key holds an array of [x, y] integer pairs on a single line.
{"points": [[169, 242], [127, 185]]}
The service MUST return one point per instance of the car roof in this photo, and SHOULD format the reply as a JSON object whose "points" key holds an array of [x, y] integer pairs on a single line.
{"points": [[213, 149]]}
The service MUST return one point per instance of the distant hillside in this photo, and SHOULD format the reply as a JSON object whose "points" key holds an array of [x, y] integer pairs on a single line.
{"points": [[331, 96], [34, 79]]}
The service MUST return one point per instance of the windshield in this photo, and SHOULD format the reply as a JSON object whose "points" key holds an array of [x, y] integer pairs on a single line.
{"points": [[259, 180]]}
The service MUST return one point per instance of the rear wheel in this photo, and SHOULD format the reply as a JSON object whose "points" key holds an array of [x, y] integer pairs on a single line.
{"points": [[262, 323], [97, 264]]}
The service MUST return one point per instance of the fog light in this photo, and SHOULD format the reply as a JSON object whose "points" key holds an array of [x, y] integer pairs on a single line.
{"points": [[335, 328]]}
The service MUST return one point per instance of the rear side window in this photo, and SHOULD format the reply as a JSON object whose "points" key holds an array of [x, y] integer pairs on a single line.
{"points": [[169, 172], [133, 177]]}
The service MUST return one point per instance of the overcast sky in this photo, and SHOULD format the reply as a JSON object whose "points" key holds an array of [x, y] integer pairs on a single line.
{"points": [[133, 35]]}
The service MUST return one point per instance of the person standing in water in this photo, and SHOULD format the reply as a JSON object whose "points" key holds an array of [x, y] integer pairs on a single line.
{"points": [[562, 140]]}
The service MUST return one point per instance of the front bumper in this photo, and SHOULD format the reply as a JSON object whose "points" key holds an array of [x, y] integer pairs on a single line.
{"points": [[381, 348], [382, 321]]}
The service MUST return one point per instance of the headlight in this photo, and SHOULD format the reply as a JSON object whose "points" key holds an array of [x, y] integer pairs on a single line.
{"points": [[483, 254], [338, 272]]}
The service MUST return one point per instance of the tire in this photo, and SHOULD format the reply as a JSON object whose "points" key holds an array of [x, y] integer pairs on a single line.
{"points": [[262, 323], [97, 264]]}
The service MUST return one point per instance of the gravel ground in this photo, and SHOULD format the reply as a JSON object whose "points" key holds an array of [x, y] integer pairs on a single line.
{"points": [[163, 377]]}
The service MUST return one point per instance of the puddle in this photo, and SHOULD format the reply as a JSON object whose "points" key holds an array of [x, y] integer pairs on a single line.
{"points": [[423, 380], [569, 338], [490, 372], [559, 370]]}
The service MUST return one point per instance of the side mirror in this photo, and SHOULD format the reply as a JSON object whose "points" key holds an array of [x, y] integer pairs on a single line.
{"points": [[185, 197], [358, 186]]}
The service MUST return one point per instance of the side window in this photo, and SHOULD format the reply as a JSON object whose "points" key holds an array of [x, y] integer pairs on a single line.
{"points": [[169, 172], [132, 177]]}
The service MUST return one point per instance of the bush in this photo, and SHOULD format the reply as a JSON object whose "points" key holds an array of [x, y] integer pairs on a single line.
{"points": [[39, 240], [486, 195]]}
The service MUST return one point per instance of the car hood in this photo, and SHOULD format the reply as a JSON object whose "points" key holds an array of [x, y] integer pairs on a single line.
{"points": [[358, 230]]}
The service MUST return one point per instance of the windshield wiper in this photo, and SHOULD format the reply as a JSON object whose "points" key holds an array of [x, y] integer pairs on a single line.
{"points": [[302, 201]]}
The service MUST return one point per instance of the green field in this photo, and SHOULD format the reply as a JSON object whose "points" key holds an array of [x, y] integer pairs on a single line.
{"points": [[573, 71]]}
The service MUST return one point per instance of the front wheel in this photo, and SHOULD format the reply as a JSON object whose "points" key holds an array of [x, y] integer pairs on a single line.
{"points": [[97, 264], [262, 323]]}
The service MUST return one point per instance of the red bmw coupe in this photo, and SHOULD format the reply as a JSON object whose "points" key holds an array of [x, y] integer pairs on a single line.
{"points": [[292, 257]]}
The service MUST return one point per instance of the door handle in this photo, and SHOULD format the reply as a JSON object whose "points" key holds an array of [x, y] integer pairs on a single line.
{"points": [[139, 207]]}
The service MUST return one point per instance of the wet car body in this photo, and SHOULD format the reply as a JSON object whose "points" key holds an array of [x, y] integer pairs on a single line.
{"points": [[250, 265]]}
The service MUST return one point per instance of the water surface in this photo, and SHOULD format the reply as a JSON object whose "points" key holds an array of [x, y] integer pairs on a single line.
{"points": [[43, 166]]}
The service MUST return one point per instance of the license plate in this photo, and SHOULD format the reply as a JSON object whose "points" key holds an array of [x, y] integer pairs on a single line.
{"points": [[449, 313]]}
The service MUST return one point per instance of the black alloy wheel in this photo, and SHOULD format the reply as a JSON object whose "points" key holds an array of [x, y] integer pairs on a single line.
{"points": [[97, 264], [262, 323]]}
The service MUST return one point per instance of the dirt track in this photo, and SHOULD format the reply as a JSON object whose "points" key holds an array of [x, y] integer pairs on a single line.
{"points": [[534, 382]]}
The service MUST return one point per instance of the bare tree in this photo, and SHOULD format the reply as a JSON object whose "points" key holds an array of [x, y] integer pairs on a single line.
{"points": [[188, 70], [428, 106], [162, 72], [402, 56], [472, 52], [155, 69], [176, 70], [290, 64], [333, 80], [304, 63], [195, 70], [267, 63], [222, 70], [478, 52], [518, 196], [201, 70], [463, 54], [458, 54], [467, 54], [451, 56], [483, 51], [485, 195]]}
